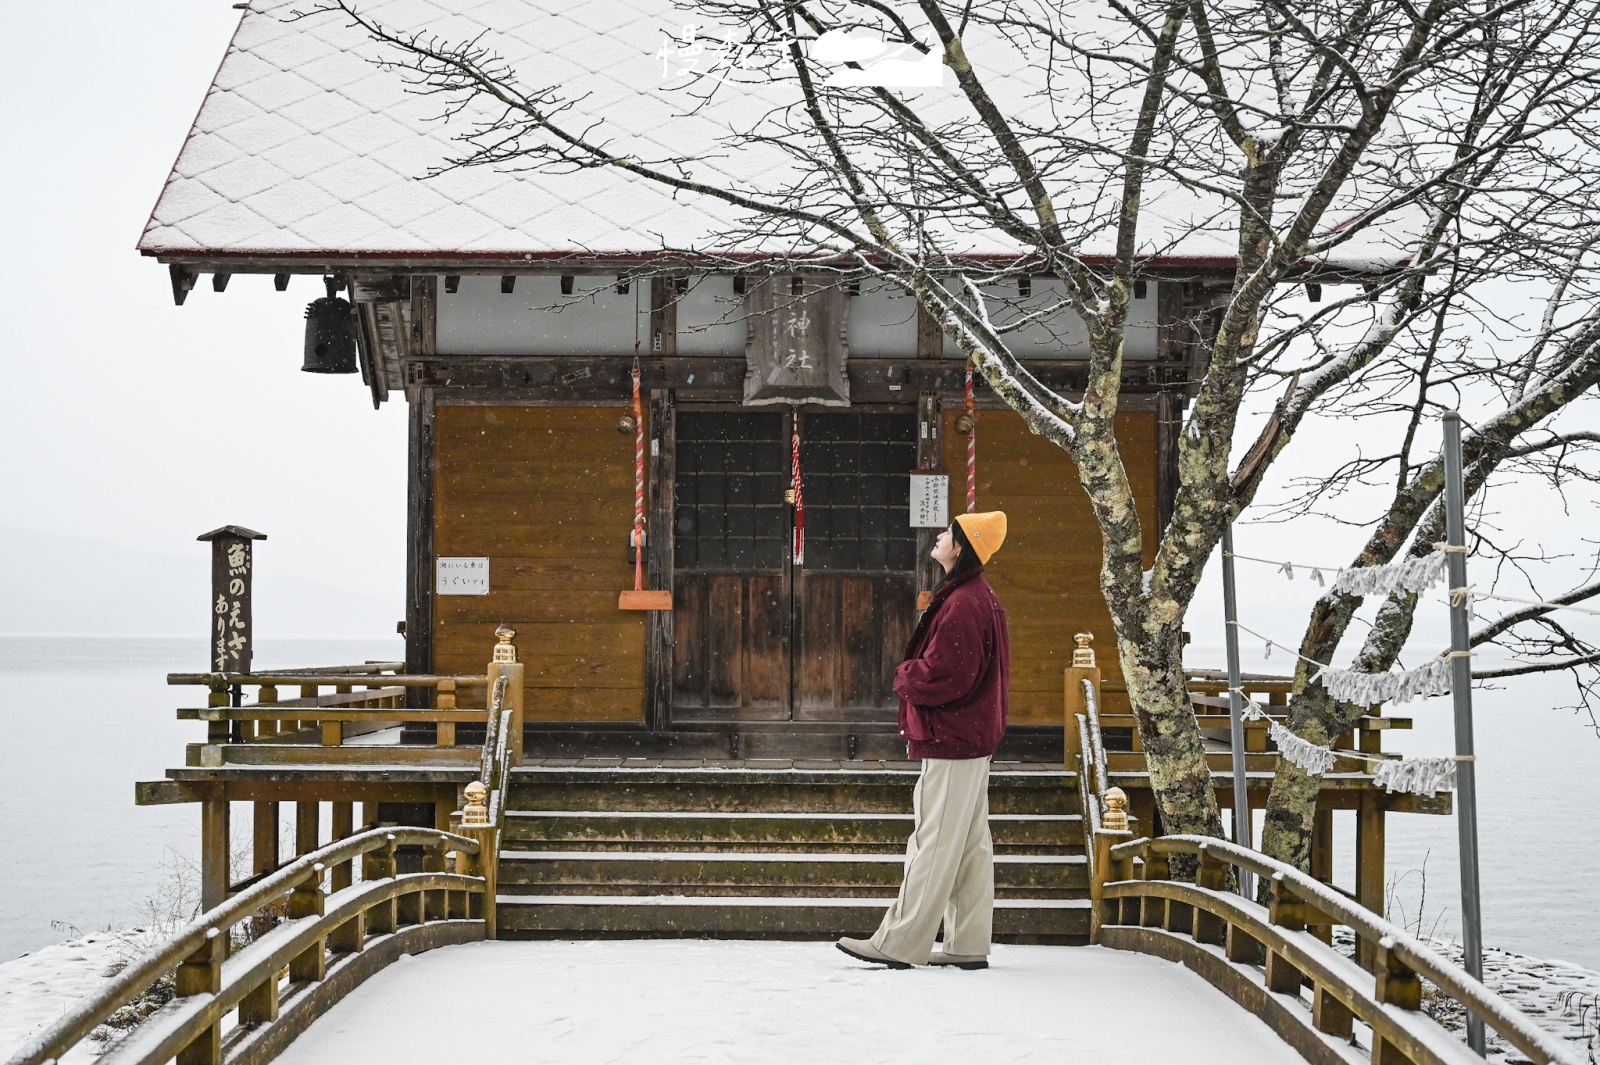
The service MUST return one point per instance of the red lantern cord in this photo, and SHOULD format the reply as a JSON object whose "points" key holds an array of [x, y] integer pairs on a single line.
{"points": [[799, 499], [972, 447], [638, 484]]}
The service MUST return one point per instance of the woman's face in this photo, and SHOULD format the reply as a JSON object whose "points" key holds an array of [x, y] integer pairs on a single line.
{"points": [[946, 550]]}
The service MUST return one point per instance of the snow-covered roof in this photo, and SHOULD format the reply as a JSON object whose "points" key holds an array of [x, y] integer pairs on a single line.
{"points": [[304, 149]]}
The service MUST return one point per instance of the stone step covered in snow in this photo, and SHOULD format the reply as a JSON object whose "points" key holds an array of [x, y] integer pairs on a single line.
{"points": [[741, 853], [719, 917], [780, 832], [792, 875], [773, 790]]}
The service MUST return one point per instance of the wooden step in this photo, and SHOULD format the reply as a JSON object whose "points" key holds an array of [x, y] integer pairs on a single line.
{"points": [[823, 875], [705, 917], [570, 830], [777, 791]]}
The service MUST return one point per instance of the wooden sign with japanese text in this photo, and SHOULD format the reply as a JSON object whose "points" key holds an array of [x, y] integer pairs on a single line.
{"points": [[461, 576], [232, 562], [796, 343], [930, 500]]}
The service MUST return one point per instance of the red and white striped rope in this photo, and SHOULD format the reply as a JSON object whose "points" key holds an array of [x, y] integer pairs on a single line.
{"points": [[799, 498], [638, 484], [972, 447]]}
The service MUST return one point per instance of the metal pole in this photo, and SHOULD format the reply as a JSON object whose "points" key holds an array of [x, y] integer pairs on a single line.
{"points": [[1241, 792], [1461, 693]]}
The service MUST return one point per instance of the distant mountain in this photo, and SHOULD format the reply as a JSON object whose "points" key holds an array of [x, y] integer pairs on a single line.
{"points": [[56, 584]]}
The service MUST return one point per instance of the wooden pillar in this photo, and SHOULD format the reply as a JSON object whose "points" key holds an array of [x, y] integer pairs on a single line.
{"points": [[514, 702], [1169, 424], [1369, 864], [214, 844], [419, 543], [660, 538], [930, 460], [307, 826], [1322, 860], [264, 838], [343, 827]]}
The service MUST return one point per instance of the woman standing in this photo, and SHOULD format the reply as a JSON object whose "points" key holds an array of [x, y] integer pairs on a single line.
{"points": [[952, 689]]}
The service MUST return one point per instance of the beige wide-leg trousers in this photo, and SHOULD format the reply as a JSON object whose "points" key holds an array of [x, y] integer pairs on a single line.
{"points": [[949, 866]]}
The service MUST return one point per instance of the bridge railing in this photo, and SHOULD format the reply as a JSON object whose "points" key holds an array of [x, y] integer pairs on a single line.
{"points": [[329, 943], [1224, 936], [483, 815], [363, 698]]}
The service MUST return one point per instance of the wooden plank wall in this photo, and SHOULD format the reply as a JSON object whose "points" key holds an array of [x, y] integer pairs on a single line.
{"points": [[1048, 572], [546, 493]]}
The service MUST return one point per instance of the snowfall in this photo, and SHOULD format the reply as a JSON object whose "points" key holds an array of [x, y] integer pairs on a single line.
{"points": [[753, 1003]]}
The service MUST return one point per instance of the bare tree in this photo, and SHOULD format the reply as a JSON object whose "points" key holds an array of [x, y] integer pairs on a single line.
{"points": [[1317, 140]]}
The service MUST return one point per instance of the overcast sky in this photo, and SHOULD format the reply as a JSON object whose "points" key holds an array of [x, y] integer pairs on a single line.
{"points": [[132, 420], [128, 418]]}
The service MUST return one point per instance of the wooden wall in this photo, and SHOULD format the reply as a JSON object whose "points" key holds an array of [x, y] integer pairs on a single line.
{"points": [[547, 494], [1048, 572]]}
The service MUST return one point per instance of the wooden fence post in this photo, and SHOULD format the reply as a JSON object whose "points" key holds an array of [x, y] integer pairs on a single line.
{"points": [[1288, 912], [445, 699], [201, 974], [1212, 875], [1105, 871], [1397, 985], [475, 825], [1083, 668], [306, 900], [379, 864], [505, 664], [1152, 910]]}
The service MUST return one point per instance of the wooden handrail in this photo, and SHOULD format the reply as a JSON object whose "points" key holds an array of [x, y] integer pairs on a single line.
{"points": [[208, 933], [405, 680], [486, 822], [165, 1034], [1402, 957]]}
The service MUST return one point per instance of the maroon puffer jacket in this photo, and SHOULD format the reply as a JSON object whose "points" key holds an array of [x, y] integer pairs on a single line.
{"points": [[954, 681]]}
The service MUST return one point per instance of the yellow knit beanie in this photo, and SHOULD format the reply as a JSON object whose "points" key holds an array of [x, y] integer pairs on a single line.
{"points": [[985, 532]]}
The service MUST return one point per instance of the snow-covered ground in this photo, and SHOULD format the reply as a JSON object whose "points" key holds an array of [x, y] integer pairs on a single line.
{"points": [[1561, 997], [37, 988], [754, 1003]]}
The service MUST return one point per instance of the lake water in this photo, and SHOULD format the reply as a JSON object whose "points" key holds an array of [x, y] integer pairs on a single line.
{"points": [[85, 718]]}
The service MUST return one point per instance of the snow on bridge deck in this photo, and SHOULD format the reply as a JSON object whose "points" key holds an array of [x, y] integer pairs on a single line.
{"points": [[754, 1003]]}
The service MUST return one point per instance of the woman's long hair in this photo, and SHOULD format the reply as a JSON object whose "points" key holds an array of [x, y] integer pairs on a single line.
{"points": [[967, 560]]}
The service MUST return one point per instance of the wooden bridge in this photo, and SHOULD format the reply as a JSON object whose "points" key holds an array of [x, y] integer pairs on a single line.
{"points": [[466, 837]]}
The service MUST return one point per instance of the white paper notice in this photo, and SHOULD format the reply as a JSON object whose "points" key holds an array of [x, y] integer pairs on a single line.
{"points": [[461, 576], [930, 500]]}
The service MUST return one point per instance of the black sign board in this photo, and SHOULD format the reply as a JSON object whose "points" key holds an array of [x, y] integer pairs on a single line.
{"points": [[231, 565]]}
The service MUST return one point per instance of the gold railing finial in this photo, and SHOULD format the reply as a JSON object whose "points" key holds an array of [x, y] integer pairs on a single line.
{"points": [[1115, 817], [1083, 654], [475, 812], [504, 651]]}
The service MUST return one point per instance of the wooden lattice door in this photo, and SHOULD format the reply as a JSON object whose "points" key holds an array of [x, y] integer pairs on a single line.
{"points": [[731, 576], [855, 594], [758, 637]]}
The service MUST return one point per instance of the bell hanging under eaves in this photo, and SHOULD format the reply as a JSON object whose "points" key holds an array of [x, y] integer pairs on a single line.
{"points": [[330, 336]]}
